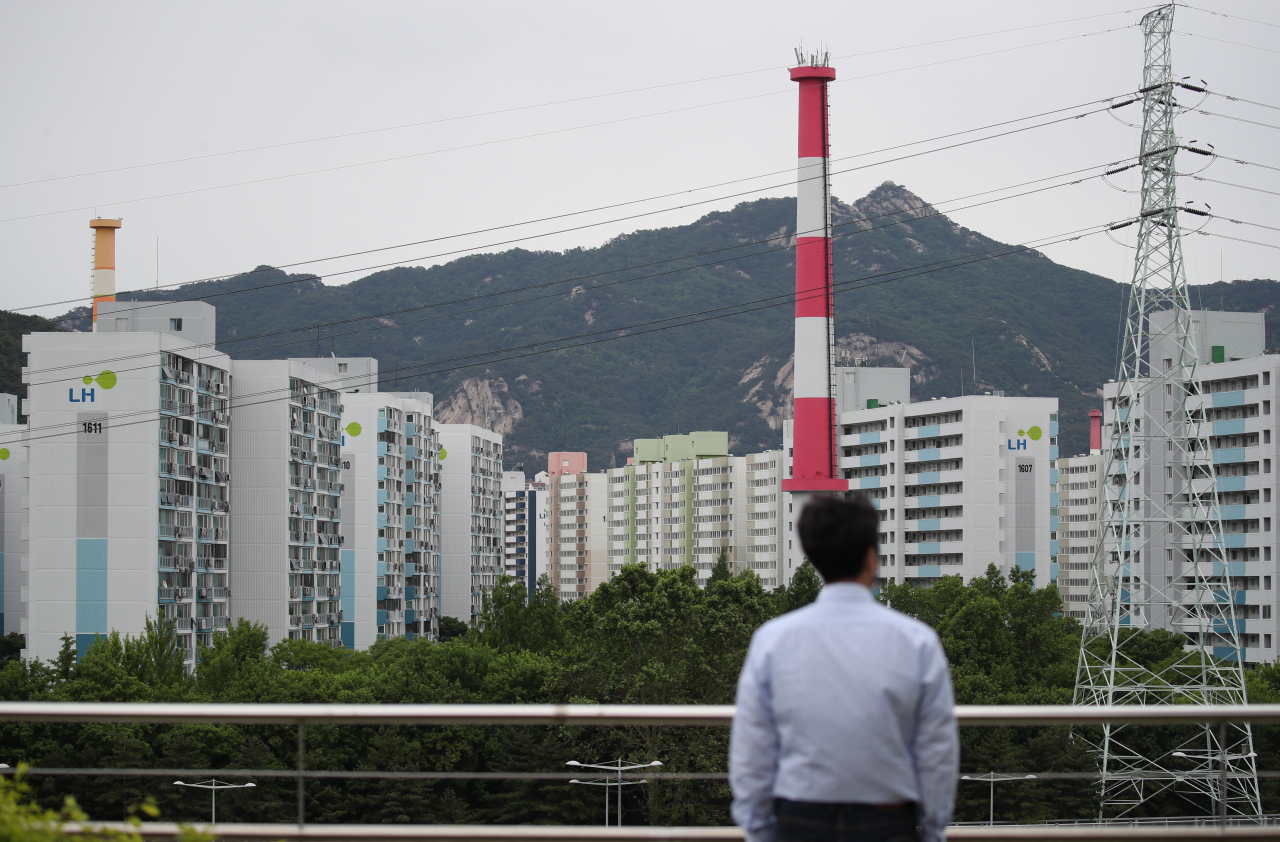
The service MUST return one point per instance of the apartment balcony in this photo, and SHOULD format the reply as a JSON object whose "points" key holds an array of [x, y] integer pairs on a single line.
{"points": [[169, 530], [172, 594], [183, 623], [209, 563], [180, 563], [214, 416], [208, 504], [177, 500]]}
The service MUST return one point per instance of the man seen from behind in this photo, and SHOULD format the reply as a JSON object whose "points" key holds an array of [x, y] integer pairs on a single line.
{"points": [[845, 729]]}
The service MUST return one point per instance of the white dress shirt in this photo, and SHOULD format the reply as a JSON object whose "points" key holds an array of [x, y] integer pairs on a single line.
{"points": [[844, 701]]}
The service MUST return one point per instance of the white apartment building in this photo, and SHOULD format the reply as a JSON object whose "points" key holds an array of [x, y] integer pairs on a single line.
{"points": [[391, 554], [287, 538], [1237, 396], [522, 501], [471, 517], [961, 483], [1074, 527], [13, 521], [129, 441], [685, 500]]}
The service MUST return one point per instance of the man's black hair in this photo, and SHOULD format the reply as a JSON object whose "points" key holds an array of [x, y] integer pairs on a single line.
{"points": [[836, 535]]}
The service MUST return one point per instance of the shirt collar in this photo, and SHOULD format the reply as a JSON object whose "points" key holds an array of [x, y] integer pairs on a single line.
{"points": [[850, 592]]}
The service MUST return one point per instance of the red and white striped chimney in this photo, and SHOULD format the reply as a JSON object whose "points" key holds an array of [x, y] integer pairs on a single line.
{"points": [[814, 466]]}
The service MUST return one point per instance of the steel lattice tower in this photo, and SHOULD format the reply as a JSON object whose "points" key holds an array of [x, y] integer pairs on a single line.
{"points": [[1159, 561]]}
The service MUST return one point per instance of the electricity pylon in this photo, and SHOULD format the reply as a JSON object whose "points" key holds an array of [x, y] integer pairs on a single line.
{"points": [[1160, 561]]}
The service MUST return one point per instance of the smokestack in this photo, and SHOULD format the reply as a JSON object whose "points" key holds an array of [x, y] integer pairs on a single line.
{"points": [[104, 262], [1095, 432], [814, 466]]}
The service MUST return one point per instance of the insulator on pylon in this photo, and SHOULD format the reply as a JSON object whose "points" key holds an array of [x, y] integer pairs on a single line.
{"points": [[1126, 102]]}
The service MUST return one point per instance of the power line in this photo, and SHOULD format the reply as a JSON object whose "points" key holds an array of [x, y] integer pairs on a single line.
{"points": [[1229, 184], [1242, 99], [537, 105], [1238, 119], [574, 279], [616, 205], [1236, 239], [1225, 41], [528, 136], [617, 333], [1225, 15]]}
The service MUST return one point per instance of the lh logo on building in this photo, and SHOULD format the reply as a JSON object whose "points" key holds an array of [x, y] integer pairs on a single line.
{"points": [[106, 380], [1021, 444]]}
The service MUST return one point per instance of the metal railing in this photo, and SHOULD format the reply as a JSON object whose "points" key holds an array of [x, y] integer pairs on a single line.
{"points": [[301, 715]]}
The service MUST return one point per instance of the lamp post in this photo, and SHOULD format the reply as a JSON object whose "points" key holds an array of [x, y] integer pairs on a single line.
{"points": [[616, 766], [214, 785], [992, 777]]}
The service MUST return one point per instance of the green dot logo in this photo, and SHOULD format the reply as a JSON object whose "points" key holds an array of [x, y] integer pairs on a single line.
{"points": [[106, 379], [1035, 433], [352, 429], [4, 453], [443, 453]]}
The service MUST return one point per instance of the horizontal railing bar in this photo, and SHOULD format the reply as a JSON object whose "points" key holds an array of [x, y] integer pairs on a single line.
{"points": [[587, 715], [545, 833], [119, 772]]}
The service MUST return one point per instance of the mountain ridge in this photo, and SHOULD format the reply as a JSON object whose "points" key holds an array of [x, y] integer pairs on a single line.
{"points": [[1030, 326]]}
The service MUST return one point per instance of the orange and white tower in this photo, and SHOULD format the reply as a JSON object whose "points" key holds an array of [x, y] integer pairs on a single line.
{"points": [[104, 262], [813, 462]]}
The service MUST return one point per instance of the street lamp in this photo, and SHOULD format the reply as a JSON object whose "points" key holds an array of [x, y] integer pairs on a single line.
{"points": [[214, 785], [617, 766], [992, 777]]}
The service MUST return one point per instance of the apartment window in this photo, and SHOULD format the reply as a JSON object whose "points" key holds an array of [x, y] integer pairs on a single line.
{"points": [[175, 325], [1266, 407], [1266, 612], [1266, 466], [1266, 641], [1266, 583], [342, 368], [1266, 378], [1266, 554], [1266, 437], [1168, 364], [1266, 524]]}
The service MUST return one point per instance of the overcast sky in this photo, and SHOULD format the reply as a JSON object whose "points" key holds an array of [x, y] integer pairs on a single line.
{"points": [[525, 111]]}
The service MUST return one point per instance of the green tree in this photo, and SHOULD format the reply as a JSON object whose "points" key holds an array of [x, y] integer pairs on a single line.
{"points": [[452, 628], [804, 589]]}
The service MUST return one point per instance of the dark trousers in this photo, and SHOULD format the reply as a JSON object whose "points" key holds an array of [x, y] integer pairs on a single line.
{"points": [[804, 821]]}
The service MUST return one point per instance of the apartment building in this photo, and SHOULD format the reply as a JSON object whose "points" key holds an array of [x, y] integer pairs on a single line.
{"points": [[390, 572], [471, 517], [685, 500], [576, 560], [129, 496], [521, 503], [1073, 526], [288, 539], [1235, 396], [13, 519], [960, 483]]}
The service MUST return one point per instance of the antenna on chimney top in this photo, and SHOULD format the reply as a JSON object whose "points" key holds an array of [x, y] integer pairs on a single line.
{"points": [[818, 58]]}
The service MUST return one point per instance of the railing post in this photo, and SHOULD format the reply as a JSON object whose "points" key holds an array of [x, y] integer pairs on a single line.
{"points": [[302, 785], [1222, 773]]}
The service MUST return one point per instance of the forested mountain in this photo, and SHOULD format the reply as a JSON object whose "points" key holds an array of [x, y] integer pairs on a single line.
{"points": [[486, 333]]}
